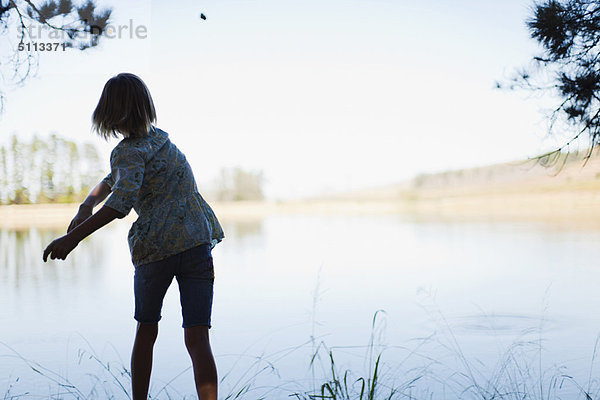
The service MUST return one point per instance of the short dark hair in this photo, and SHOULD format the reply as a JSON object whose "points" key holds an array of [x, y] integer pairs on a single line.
{"points": [[125, 106]]}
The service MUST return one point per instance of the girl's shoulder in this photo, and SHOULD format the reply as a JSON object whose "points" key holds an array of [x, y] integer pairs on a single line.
{"points": [[145, 146]]}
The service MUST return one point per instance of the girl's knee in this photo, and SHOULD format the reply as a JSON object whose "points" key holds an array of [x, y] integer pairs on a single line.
{"points": [[196, 336], [147, 331]]}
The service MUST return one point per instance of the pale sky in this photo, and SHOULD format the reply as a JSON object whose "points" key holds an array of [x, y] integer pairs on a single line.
{"points": [[320, 95]]}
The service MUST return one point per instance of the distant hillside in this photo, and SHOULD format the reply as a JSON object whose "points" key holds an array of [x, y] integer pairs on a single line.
{"points": [[521, 188], [525, 176]]}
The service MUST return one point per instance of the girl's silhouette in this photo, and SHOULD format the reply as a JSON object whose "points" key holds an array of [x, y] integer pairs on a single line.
{"points": [[172, 237]]}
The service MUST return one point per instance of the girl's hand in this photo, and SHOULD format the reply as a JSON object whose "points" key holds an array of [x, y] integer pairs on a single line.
{"points": [[84, 213], [60, 247]]}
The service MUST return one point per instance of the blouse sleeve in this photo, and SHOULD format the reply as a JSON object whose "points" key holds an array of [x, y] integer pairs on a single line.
{"points": [[109, 180], [127, 173]]}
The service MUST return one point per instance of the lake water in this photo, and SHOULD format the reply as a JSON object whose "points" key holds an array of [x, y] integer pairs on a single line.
{"points": [[479, 305]]}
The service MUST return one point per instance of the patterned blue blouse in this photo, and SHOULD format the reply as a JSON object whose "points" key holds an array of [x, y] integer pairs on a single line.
{"points": [[153, 177]]}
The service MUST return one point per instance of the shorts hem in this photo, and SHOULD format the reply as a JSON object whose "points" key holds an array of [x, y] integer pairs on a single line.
{"points": [[196, 324], [147, 322]]}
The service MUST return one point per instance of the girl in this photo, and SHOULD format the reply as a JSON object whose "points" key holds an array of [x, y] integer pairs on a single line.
{"points": [[172, 237]]}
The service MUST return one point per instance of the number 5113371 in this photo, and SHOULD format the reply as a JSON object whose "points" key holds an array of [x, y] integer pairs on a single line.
{"points": [[42, 46]]}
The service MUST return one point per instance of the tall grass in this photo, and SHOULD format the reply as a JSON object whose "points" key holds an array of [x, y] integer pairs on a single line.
{"points": [[433, 367]]}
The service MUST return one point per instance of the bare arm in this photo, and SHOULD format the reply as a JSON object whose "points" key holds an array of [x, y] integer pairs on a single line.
{"points": [[62, 246], [129, 164], [93, 223], [96, 196]]}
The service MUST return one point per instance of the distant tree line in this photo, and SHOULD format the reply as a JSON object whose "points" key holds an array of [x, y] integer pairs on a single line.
{"points": [[47, 170], [237, 184], [56, 170]]}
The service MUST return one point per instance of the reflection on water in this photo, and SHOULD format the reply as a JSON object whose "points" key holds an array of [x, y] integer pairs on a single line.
{"points": [[21, 264], [243, 228], [21, 256], [283, 279]]}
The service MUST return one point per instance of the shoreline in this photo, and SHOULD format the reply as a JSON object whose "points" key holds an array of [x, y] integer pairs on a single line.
{"points": [[499, 192], [571, 207]]}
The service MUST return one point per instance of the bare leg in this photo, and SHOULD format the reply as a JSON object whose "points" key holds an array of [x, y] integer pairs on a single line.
{"points": [[205, 370], [141, 359]]}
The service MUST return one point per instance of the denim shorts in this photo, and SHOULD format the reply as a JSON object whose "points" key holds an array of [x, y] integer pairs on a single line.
{"points": [[194, 272]]}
